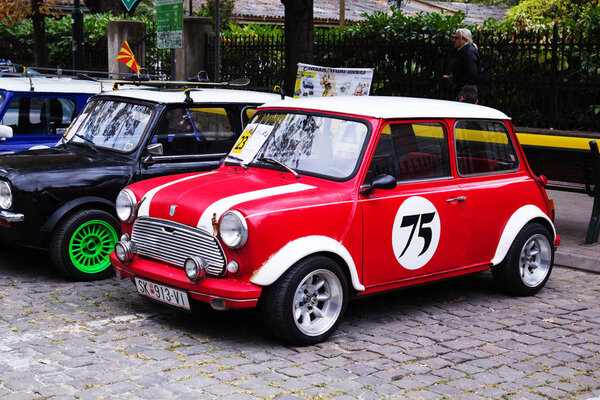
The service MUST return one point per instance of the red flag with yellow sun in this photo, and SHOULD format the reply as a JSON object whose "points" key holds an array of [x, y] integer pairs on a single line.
{"points": [[126, 57]]}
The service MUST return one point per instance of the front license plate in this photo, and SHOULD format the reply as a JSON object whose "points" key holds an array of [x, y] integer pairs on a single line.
{"points": [[165, 294]]}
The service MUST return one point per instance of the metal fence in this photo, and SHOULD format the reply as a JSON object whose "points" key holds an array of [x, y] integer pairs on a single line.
{"points": [[546, 79], [19, 50], [259, 58], [158, 61]]}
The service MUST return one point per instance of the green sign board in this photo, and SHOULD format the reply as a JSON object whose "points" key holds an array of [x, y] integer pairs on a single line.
{"points": [[169, 18], [129, 4]]}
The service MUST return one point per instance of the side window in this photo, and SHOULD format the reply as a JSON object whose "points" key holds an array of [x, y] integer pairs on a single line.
{"points": [[215, 128], [483, 147], [409, 151], [189, 131], [39, 115]]}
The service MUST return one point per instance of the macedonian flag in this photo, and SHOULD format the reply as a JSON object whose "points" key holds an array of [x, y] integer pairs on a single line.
{"points": [[126, 57]]}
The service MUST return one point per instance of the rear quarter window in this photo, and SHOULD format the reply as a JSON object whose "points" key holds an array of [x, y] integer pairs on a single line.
{"points": [[484, 147]]}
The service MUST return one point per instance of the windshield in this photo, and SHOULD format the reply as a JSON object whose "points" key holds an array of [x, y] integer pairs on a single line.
{"points": [[311, 144], [110, 124]]}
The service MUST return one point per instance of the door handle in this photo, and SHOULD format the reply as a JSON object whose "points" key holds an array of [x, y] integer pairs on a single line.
{"points": [[458, 199]]}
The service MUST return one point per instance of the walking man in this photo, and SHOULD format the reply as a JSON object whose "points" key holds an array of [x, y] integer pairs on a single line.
{"points": [[466, 67]]}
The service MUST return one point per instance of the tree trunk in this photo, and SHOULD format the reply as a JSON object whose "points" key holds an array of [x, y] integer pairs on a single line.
{"points": [[299, 38], [40, 49]]}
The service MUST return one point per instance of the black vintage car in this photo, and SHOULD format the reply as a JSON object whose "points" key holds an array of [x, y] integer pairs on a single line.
{"points": [[62, 198]]}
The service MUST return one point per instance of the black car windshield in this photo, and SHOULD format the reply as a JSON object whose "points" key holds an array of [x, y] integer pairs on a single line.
{"points": [[305, 143], [110, 124]]}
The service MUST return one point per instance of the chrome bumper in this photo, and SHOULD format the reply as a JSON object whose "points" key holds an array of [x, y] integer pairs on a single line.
{"points": [[11, 217]]}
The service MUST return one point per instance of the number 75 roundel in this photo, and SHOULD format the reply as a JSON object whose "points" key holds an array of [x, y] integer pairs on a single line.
{"points": [[416, 232]]}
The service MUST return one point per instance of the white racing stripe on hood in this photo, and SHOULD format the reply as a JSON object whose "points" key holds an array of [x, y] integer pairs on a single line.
{"points": [[144, 210], [221, 206]]}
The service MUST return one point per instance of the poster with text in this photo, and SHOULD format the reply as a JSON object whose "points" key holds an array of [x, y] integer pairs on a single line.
{"points": [[313, 80]]}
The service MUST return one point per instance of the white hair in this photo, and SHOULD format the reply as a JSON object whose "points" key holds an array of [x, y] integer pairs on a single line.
{"points": [[467, 35]]}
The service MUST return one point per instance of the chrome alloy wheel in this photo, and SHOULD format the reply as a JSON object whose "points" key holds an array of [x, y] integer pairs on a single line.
{"points": [[535, 259], [318, 302]]}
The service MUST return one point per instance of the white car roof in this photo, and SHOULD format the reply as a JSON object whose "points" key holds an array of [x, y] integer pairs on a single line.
{"points": [[197, 95], [43, 84], [392, 107]]}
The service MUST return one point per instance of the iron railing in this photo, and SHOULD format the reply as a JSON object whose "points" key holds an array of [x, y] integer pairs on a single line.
{"points": [[544, 79]]}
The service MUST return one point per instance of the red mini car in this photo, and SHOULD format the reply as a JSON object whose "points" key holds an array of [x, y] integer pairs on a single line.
{"points": [[323, 200]]}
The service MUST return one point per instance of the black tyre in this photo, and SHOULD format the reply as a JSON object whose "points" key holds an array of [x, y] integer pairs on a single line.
{"points": [[306, 304], [528, 263], [81, 243]]}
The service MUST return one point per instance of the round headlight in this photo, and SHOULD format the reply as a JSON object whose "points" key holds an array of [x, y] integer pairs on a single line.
{"points": [[233, 229], [195, 268], [125, 205], [121, 252], [5, 195]]}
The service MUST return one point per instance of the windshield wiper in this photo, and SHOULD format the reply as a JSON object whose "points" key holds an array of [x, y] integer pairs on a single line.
{"points": [[88, 141], [238, 160], [275, 162]]}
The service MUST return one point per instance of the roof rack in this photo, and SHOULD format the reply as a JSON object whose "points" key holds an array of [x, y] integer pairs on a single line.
{"points": [[142, 80], [7, 69]]}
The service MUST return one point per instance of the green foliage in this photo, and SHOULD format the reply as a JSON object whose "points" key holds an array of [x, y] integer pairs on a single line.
{"points": [[59, 35], [542, 12], [398, 24], [95, 27], [253, 29], [146, 9], [225, 11]]}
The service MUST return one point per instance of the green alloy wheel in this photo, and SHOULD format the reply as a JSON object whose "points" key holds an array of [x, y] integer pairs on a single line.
{"points": [[82, 242], [90, 246]]}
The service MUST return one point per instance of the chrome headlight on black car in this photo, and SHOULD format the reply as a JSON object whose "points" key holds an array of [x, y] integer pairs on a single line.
{"points": [[5, 195], [233, 229], [125, 205]]}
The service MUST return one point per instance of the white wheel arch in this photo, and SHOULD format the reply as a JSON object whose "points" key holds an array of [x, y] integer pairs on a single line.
{"points": [[296, 250], [516, 222]]}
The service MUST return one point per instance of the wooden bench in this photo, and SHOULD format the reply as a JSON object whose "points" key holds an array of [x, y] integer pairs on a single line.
{"points": [[571, 163]]}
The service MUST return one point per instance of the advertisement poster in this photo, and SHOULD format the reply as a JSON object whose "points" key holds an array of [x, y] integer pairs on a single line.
{"points": [[169, 27], [313, 80]]}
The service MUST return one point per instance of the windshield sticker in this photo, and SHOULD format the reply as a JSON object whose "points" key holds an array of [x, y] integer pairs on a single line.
{"points": [[239, 146], [416, 232], [140, 116], [251, 141], [128, 146]]}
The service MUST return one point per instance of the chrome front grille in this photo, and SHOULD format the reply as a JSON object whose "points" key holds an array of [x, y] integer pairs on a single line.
{"points": [[173, 242]]}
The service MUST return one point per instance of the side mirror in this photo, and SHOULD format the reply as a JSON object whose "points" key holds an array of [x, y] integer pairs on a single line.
{"points": [[380, 182], [6, 132], [153, 149]]}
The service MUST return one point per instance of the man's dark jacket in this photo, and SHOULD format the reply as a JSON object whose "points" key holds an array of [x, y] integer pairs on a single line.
{"points": [[465, 69]]}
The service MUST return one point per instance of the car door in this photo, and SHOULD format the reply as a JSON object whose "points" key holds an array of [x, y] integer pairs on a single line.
{"points": [[193, 138], [36, 120], [417, 228], [493, 181]]}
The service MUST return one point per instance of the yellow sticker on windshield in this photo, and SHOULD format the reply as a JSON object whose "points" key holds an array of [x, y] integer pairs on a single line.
{"points": [[239, 146]]}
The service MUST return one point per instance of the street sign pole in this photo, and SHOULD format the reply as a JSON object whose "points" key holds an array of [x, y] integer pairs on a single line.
{"points": [[217, 41], [77, 43]]}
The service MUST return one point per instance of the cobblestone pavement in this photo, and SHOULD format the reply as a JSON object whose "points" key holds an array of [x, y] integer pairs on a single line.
{"points": [[455, 340]]}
